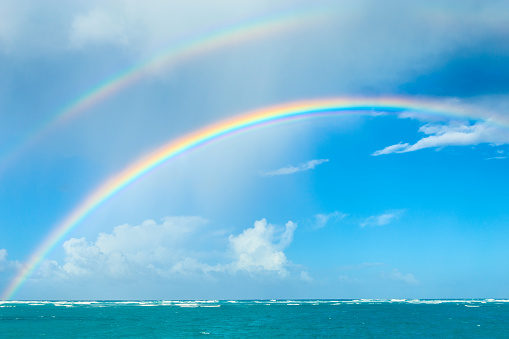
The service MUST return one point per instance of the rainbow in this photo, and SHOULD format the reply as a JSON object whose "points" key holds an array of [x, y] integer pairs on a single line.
{"points": [[165, 58], [220, 130]]}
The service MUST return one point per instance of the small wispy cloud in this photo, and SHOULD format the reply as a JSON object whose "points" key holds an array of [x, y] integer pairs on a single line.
{"points": [[322, 219], [500, 155], [382, 219], [294, 169], [496, 158]]}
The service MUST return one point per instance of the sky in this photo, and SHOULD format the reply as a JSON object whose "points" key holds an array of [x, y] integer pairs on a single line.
{"points": [[370, 204]]}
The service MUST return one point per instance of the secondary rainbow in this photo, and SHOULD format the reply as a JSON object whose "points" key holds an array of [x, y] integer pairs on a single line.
{"points": [[217, 131], [172, 55]]}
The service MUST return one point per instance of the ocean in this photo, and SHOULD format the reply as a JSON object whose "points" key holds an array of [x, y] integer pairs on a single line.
{"points": [[365, 318]]}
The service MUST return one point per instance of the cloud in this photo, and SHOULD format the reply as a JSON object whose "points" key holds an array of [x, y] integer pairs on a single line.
{"points": [[396, 275], [256, 249], [397, 148], [500, 155], [382, 219], [171, 249], [132, 250], [294, 169], [322, 219], [7, 266], [304, 275], [452, 134], [96, 27]]}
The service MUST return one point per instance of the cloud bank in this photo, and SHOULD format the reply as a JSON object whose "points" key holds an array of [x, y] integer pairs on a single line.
{"points": [[173, 249]]}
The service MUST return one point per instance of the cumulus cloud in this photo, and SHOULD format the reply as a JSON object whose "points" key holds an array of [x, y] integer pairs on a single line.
{"points": [[322, 219], [258, 249], [299, 168], [96, 27], [170, 250], [382, 219], [452, 134], [130, 250]]}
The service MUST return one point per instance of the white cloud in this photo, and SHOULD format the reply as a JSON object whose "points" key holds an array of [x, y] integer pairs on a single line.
{"points": [[294, 169], [322, 219], [452, 134], [256, 249], [397, 148], [382, 219], [96, 27], [132, 250], [170, 250]]}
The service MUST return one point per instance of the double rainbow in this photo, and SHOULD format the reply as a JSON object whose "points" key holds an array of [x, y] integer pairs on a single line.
{"points": [[217, 131], [167, 57]]}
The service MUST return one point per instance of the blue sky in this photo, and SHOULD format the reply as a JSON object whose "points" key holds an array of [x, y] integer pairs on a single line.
{"points": [[367, 206]]}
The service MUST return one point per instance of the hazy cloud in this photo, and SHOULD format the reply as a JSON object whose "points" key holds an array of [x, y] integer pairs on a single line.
{"points": [[322, 219], [294, 169], [407, 278], [7, 265], [96, 27], [382, 219], [304, 275]]}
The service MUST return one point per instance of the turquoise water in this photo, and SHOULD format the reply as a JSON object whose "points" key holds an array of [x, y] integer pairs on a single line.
{"points": [[257, 318]]}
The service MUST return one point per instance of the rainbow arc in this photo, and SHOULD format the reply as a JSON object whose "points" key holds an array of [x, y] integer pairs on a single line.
{"points": [[279, 114]]}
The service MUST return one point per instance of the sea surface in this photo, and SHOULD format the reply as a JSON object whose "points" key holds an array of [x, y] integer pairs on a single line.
{"points": [[365, 318]]}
